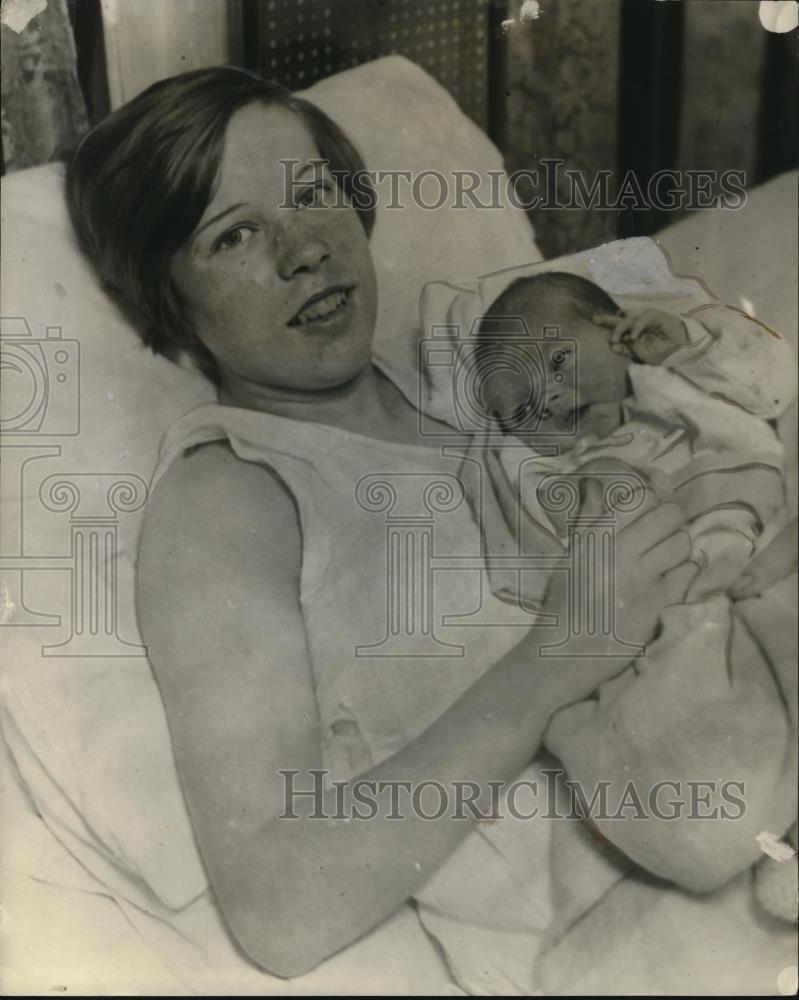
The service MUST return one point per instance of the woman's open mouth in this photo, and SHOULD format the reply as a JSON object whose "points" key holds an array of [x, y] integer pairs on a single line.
{"points": [[323, 307]]}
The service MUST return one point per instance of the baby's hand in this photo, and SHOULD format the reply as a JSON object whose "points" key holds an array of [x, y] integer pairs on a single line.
{"points": [[776, 561], [648, 337]]}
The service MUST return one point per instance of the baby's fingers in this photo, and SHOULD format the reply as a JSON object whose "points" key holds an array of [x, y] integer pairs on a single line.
{"points": [[649, 319], [649, 529], [619, 330], [609, 320], [651, 348], [677, 581], [670, 554], [771, 564]]}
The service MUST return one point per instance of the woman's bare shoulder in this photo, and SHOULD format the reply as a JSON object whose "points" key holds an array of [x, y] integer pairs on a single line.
{"points": [[213, 473], [212, 513], [211, 489]]}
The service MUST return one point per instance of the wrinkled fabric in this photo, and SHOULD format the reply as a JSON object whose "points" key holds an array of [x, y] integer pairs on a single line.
{"points": [[377, 688]]}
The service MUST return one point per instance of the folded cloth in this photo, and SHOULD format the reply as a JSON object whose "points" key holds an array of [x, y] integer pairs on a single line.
{"points": [[635, 933], [718, 745], [647, 938], [696, 761], [703, 705]]}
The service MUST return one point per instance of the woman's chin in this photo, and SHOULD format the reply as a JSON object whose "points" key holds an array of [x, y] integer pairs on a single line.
{"points": [[342, 376], [344, 362], [336, 368]]}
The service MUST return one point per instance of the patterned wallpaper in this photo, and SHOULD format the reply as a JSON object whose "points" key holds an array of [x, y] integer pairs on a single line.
{"points": [[562, 99], [301, 41], [722, 71], [562, 79]]}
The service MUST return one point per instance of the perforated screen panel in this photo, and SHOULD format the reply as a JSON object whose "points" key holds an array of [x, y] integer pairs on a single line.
{"points": [[298, 42]]}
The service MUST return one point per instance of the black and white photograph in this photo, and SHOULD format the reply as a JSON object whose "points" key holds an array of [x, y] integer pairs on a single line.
{"points": [[398, 558]]}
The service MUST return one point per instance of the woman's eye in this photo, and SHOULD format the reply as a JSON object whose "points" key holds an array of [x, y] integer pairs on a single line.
{"points": [[234, 238], [317, 196]]}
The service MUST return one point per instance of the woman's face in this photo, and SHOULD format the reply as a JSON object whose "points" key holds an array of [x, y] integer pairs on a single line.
{"points": [[277, 277]]}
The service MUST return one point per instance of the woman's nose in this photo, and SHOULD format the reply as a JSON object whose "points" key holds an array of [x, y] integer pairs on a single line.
{"points": [[300, 252]]}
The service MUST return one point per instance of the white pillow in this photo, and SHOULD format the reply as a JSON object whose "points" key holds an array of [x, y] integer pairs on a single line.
{"points": [[84, 720]]}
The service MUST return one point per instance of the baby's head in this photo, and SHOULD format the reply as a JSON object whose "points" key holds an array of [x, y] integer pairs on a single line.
{"points": [[580, 367]]}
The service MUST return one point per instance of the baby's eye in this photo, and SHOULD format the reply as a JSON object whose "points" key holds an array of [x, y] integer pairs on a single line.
{"points": [[234, 238], [559, 358], [317, 196]]}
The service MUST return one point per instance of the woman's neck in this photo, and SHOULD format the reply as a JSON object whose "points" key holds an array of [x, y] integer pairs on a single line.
{"points": [[364, 405]]}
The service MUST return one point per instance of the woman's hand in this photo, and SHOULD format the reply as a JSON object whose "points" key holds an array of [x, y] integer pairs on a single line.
{"points": [[774, 563], [650, 571], [651, 567]]}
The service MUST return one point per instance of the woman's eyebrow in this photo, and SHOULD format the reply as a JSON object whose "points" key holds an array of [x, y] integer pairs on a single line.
{"points": [[310, 165], [216, 218]]}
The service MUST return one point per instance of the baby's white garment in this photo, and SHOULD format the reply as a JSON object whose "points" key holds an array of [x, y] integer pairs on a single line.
{"points": [[695, 427], [703, 438], [723, 465]]}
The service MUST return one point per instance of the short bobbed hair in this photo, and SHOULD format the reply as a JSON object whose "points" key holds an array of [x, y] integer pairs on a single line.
{"points": [[140, 181]]}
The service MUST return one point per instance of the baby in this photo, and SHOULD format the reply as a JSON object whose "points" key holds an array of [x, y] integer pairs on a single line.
{"points": [[681, 400], [684, 403]]}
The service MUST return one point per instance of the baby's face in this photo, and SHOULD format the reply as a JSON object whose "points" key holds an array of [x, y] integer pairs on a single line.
{"points": [[582, 373]]}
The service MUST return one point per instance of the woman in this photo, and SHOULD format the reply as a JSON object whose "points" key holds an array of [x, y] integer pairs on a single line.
{"points": [[257, 568]]}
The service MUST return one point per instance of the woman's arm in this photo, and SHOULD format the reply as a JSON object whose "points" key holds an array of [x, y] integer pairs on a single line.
{"points": [[219, 610]]}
